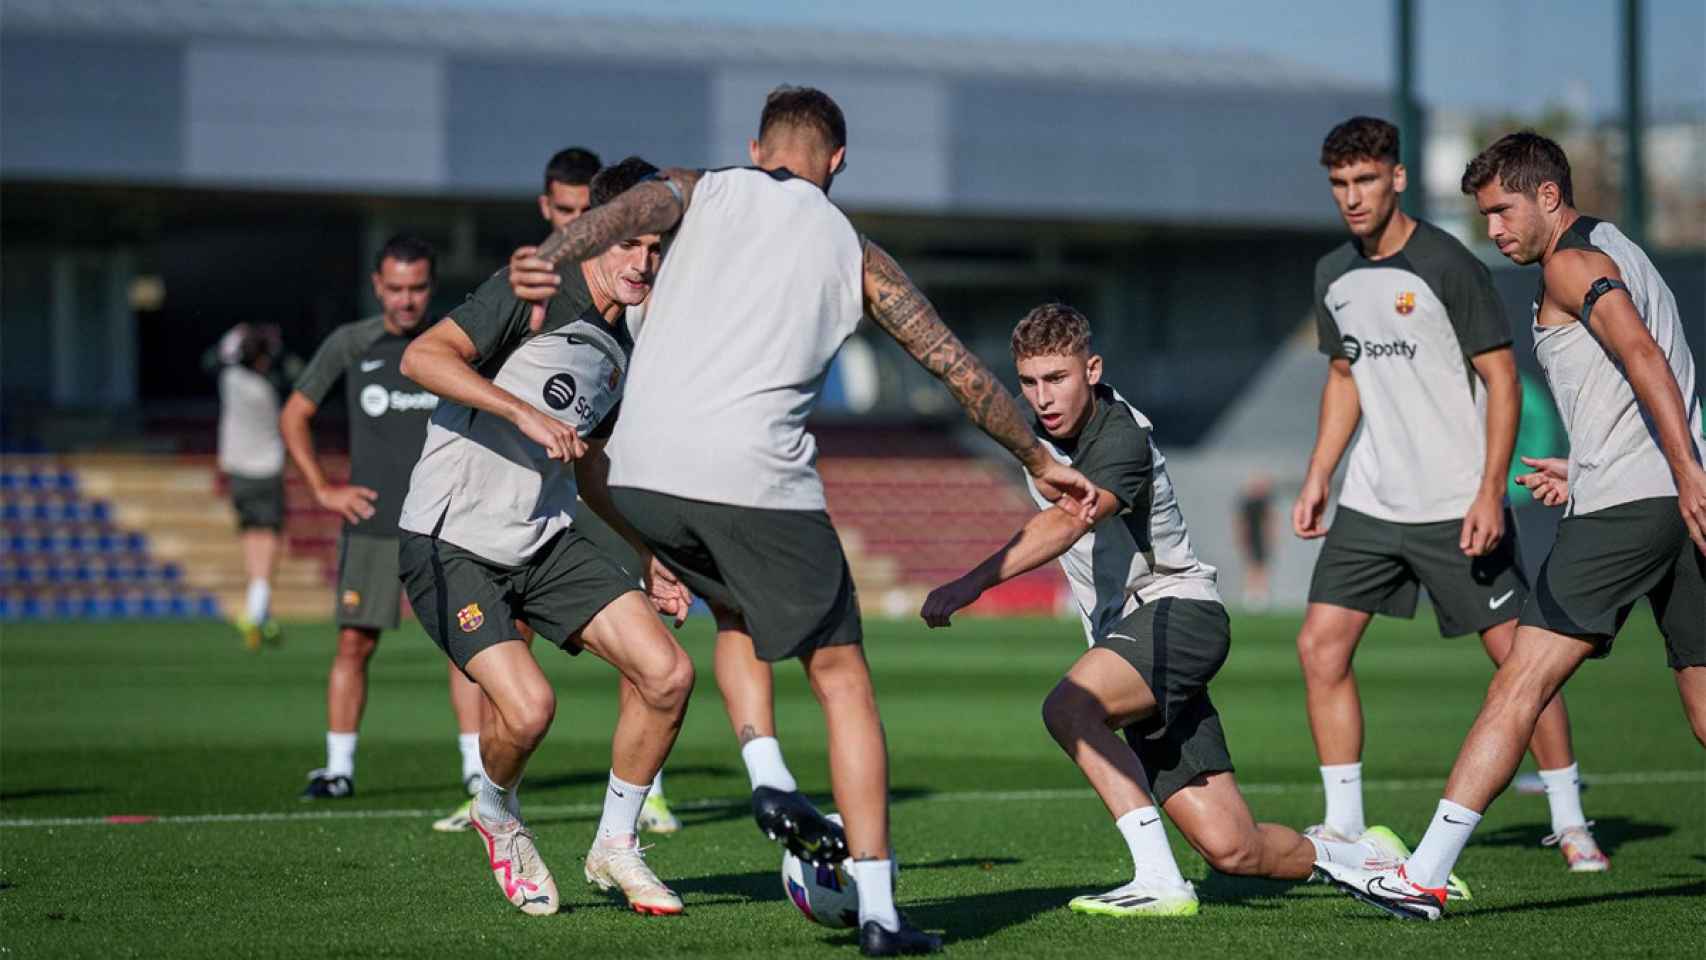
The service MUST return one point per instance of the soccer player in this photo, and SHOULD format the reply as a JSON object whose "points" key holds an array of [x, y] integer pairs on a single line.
{"points": [[764, 280], [1608, 336], [488, 540], [1419, 354], [387, 422], [568, 185], [251, 455], [1157, 632]]}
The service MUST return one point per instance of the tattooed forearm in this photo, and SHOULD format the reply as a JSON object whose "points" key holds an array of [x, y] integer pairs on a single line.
{"points": [[900, 309], [651, 207]]}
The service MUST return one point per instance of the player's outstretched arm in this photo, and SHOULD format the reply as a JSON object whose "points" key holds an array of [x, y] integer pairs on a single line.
{"points": [[903, 312], [442, 361], [654, 206], [1570, 276], [1341, 409], [1043, 538], [1484, 524]]}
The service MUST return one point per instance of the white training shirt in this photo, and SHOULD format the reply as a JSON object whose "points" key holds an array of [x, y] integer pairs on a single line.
{"points": [[249, 441]]}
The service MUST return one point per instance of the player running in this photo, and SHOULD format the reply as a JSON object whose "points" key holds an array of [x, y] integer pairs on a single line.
{"points": [[1608, 336], [1419, 354], [387, 421], [251, 455], [1157, 632], [487, 540], [764, 281]]}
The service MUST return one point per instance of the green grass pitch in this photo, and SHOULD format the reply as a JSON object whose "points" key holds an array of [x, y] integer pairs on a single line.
{"points": [[994, 828]]}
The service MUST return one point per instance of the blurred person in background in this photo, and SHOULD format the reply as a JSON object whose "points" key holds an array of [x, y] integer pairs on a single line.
{"points": [[1419, 354], [1253, 519], [387, 424], [251, 455]]}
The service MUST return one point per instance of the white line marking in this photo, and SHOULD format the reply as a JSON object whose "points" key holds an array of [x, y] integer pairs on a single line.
{"points": [[1634, 778]]}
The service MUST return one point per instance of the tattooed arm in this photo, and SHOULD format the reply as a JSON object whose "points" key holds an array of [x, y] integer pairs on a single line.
{"points": [[902, 311]]}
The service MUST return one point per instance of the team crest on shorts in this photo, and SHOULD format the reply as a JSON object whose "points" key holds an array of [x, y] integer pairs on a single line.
{"points": [[1406, 304], [469, 618], [352, 599]]}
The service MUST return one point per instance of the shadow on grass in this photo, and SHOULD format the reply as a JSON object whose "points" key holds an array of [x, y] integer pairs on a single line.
{"points": [[1611, 832], [1256, 893], [43, 792], [730, 888], [1695, 888], [979, 915]]}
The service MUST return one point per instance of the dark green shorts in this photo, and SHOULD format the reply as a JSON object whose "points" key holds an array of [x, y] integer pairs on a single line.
{"points": [[368, 595], [467, 603], [1177, 646], [259, 501], [783, 571], [1602, 562], [1378, 566]]}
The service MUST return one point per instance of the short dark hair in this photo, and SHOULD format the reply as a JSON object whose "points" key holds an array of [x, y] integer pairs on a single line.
{"points": [[1050, 330], [619, 178], [1521, 162], [805, 108], [574, 166], [1360, 138], [407, 248]]}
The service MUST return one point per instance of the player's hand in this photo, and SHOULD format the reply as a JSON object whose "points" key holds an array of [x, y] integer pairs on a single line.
{"points": [[1309, 511], [1483, 526], [351, 502], [1550, 481], [560, 440], [531, 278], [948, 599], [1691, 500], [1066, 488], [668, 594]]}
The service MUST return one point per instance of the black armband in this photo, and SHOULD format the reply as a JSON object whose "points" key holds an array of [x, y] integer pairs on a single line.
{"points": [[1600, 288]]}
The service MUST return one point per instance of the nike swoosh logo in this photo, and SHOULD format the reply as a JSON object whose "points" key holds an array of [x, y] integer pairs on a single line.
{"points": [[1145, 823], [1461, 823], [1495, 604], [1348, 780], [1342, 305], [368, 366], [617, 792]]}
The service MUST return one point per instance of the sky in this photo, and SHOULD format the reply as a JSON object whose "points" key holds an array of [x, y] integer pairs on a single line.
{"points": [[1486, 55]]}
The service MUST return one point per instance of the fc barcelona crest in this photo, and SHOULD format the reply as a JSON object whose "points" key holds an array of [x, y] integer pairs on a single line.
{"points": [[469, 618], [1406, 304]]}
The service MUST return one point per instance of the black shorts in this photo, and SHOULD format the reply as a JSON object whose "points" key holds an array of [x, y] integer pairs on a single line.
{"points": [[467, 603], [1177, 646], [1379, 566], [783, 571], [1602, 562], [259, 501], [368, 595]]}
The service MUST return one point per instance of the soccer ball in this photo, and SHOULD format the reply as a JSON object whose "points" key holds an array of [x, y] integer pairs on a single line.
{"points": [[823, 895]]}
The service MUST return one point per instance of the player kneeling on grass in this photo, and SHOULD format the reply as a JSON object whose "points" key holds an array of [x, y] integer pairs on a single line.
{"points": [[488, 540], [1157, 633]]}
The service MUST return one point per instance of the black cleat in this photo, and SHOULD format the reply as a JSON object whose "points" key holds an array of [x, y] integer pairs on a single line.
{"points": [[328, 786], [786, 816], [874, 941]]}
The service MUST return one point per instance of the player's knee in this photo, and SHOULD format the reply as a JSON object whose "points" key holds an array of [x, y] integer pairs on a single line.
{"points": [[1235, 854], [1325, 659], [356, 646], [668, 686], [529, 717], [1067, 711]]}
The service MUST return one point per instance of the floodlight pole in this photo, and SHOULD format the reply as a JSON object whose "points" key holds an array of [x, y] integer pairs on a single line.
{"points": [[1634, 180], [1408, 110]]}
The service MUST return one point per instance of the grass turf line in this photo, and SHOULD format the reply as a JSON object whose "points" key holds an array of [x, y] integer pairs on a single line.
{"points": [[175, 720]]}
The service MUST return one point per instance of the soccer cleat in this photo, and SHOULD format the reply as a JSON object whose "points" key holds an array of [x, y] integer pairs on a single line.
{"points": [[875, 941], [251, 634], [1140, 899], [788, 817], [515, 862], [325, 785], [1580, 850], [1388, 845], [1386, 888], [656, 817], [271, 634], [458, 821], [625, 869]]}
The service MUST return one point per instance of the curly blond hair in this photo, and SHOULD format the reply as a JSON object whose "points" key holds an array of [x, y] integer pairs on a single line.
{"points": [[1052, 329]]}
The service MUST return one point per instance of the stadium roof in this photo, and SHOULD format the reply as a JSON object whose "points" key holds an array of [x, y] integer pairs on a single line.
{"points": [[465, 29]]}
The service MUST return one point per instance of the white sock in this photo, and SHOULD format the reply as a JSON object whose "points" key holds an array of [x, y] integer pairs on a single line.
{"points": [[657, 785], [875, 880], [1564, 795], [764, 766], [260, 600], [1447, 835], [1146, 838], [622, 804], [469, 745], [498, 803], [340, 754], [1343, 783], [1344, 854]]}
